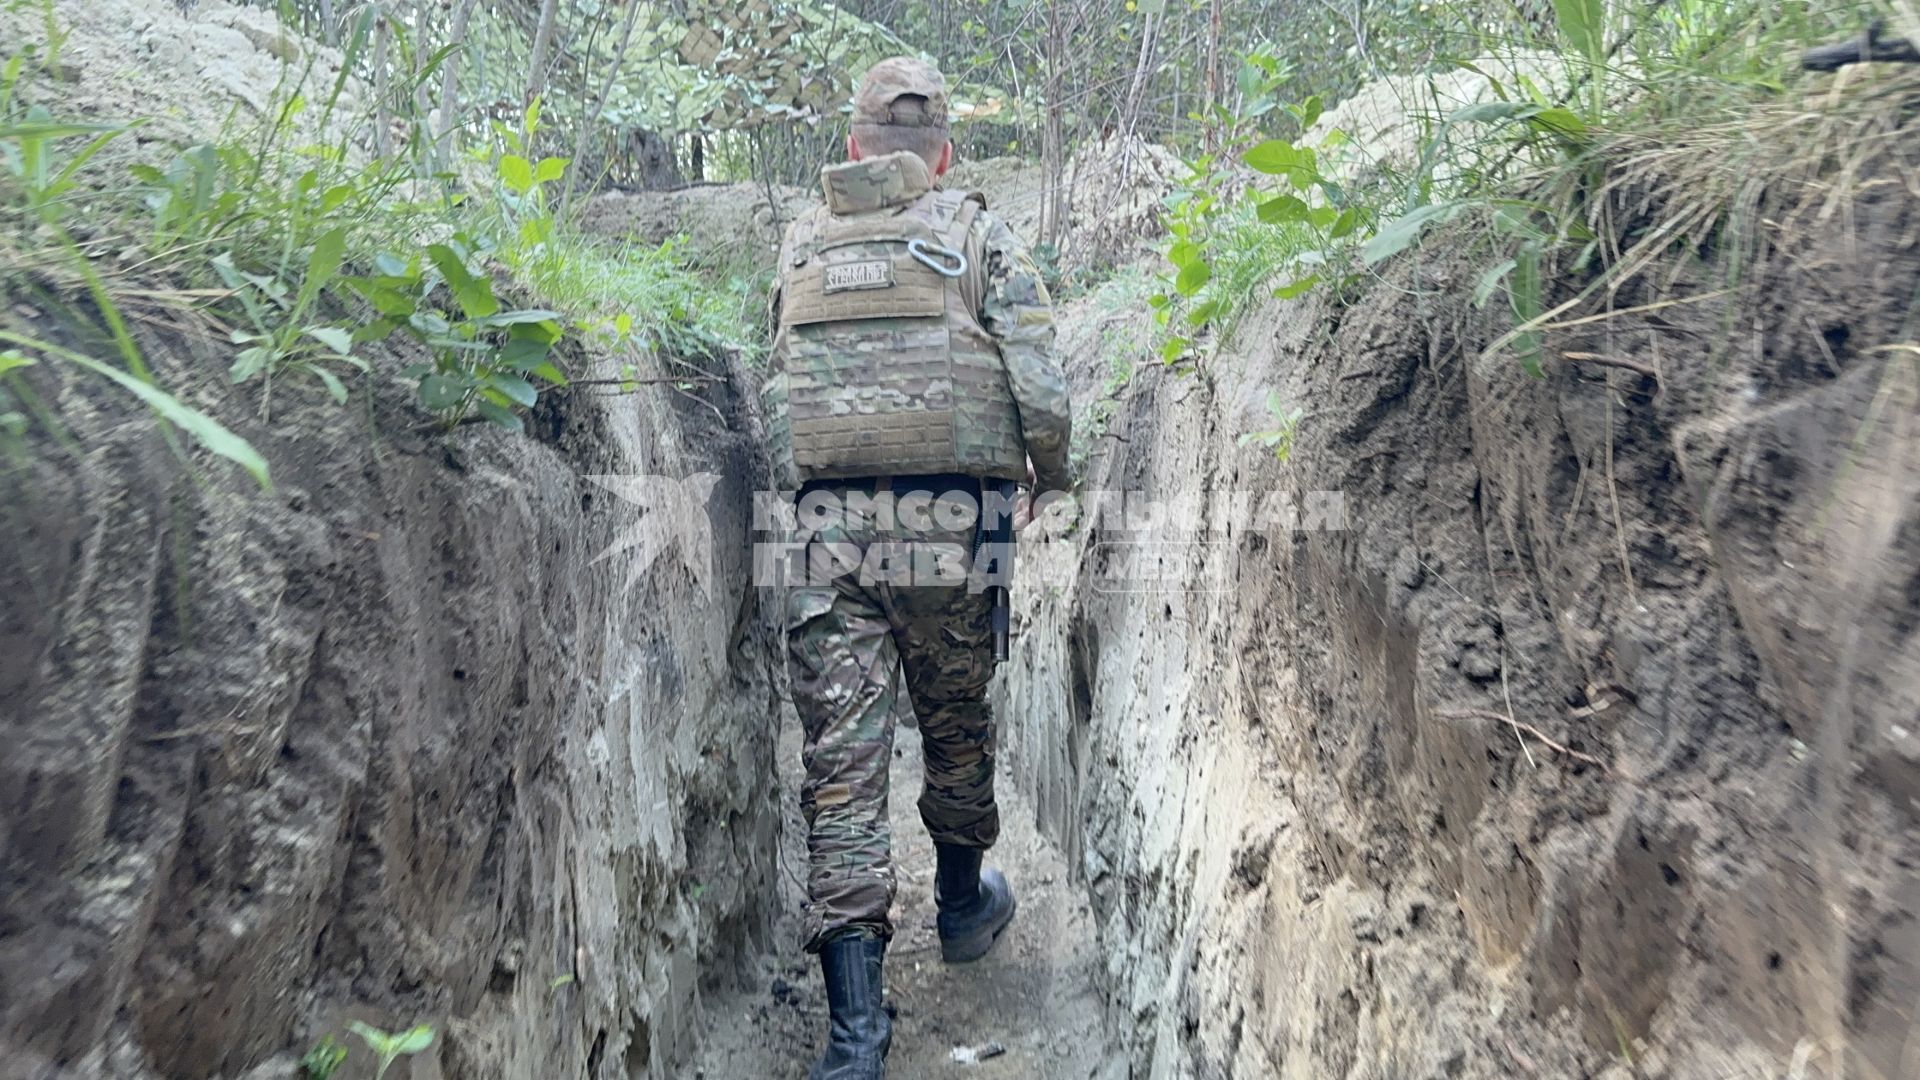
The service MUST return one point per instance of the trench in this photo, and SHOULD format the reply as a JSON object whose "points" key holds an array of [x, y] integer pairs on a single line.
{"points": [[1557, 725]]}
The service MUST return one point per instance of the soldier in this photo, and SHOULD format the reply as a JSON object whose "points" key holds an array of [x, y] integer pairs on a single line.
{"points": [[912, 358]]}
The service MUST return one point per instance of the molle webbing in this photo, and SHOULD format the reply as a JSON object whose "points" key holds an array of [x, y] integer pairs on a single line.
{"points": [[888, 371]]}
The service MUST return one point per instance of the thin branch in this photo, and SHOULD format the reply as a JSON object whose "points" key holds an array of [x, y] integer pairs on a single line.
{"points": [[1521, 725], [669, 381], [600, 103], [1613, 361], [450, 81]]}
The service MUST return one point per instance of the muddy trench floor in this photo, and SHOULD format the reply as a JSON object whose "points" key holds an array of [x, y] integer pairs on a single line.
{"points": [[1034, 996]]}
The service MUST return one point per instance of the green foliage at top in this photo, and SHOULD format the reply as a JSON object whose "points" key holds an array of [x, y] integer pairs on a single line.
{"points": [[1226, 245], [1521, 168], [304, 254], [1530, 164]]}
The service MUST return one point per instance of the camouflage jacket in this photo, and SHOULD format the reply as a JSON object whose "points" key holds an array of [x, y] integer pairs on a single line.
{"points": [[1012, 305]]}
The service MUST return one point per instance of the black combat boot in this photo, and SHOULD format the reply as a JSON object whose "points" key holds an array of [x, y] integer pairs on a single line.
{"points": [[860, 1030], [975, 905]]}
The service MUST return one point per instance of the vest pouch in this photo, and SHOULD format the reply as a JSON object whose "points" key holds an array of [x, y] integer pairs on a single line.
{"points": [[869, 361]]}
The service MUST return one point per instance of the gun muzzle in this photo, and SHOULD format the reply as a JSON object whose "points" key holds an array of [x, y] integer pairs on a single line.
{"points": [[1002, 625]]}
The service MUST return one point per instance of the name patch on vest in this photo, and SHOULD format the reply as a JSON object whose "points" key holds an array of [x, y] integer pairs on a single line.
{"points": [[872, 274]]}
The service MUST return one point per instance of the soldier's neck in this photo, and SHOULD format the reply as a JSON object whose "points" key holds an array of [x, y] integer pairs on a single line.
{"points": [[875, 183]]}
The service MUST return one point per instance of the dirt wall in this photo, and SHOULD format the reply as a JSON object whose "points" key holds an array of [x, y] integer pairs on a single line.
{"points": [[1290, 769], [388, 743]]}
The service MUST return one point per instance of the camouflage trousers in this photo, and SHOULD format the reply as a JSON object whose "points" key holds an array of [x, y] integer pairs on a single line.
{"points": [[864, 656]]}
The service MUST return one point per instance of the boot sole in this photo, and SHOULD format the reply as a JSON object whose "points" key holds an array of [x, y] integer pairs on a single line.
{"points": [[979, 943]]}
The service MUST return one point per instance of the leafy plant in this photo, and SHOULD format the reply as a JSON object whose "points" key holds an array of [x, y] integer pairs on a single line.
{"points": [[390, 1048], [1279, 438], [485, 357], [324, 1059], [1224, 248], [281, 336], [28, 151]]}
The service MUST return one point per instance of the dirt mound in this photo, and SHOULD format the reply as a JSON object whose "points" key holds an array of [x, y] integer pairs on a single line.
{"points": [[1115, 197], [188, 73], [1390, 121], [725, 224]]}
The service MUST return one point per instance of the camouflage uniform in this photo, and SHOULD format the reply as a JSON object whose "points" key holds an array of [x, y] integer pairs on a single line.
{"points": [[855, 670]]}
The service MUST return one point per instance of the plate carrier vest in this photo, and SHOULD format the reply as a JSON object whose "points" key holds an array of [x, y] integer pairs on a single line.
{"points": [[887, 369]]}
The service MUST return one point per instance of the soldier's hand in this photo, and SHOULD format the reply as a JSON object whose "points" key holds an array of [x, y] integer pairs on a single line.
{"points": [[1023, 501]]}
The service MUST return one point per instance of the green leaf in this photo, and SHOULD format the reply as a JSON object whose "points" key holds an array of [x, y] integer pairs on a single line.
{"points": [[515, 318], [1559, 121], [249, 362], [322, 265], [1275, 157], [1403, 232], [1525, 296], [517, 389], [13, 359], [552, 168], [1295, 289], [385, 300], [1173, 349], [376, 330], [1344, 225], [336, 197], [414, 1041], [474, 293], [1182, 253], [1493, 110], [1282, 209], [501, 416], [524, 354], [1310, 111], [1192, 278], [209, 432], [1584, 24], [1490, 280], [337, 338], [440, 392], [516, 172], [1203, 312], [332, 382], [51, 129]]}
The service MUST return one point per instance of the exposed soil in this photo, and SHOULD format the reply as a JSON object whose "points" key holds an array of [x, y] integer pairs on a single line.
{"points": [[1589, 747], [1035, 996], [1308, 812]]}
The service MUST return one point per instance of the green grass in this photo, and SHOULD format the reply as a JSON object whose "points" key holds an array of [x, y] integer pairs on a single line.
{"points": [[667, 300], [284, 237]]}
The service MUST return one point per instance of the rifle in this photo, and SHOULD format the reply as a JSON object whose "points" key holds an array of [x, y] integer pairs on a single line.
{"points": [[1870, 46], [1000, 536]]}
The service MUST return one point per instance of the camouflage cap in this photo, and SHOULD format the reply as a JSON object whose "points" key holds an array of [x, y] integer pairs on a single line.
{"points": [[897, 77]]}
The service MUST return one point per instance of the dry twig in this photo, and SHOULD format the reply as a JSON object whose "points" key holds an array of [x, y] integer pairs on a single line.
{"points": [[1521, 725], [1613, 361]]}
